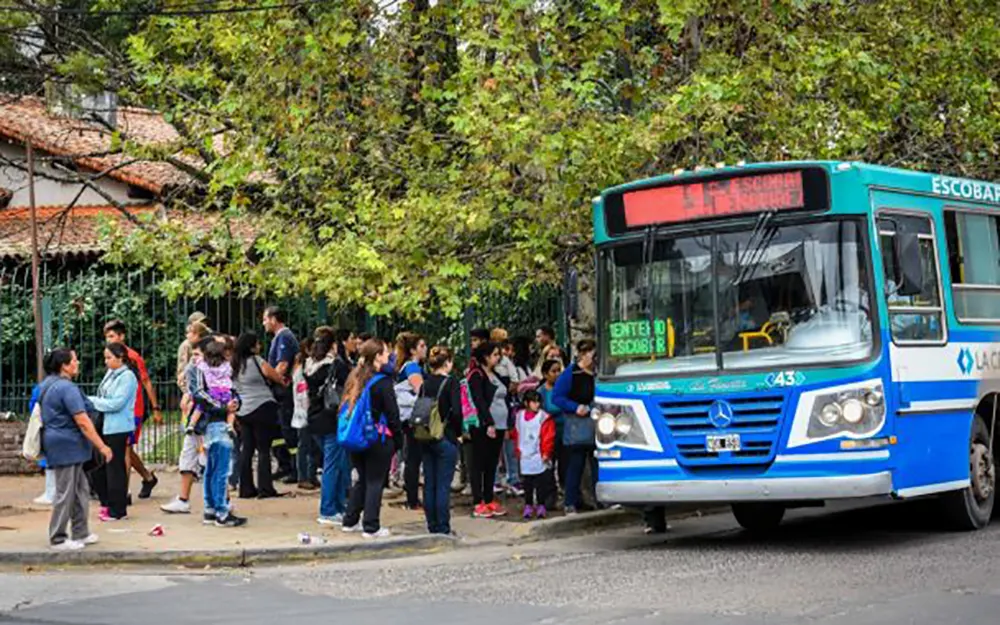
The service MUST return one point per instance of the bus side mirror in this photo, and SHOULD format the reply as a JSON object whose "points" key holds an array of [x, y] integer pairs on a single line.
{"points": [[906, 248]]}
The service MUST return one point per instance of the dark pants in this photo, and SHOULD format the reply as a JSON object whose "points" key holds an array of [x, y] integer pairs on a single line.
{"points": [[483, 471], [237, 460], [255, 436], [655, 518], [538, 488], [366, 495], [411, 472], [282, 453], [579, 457], [440, 459], [111, 480]]}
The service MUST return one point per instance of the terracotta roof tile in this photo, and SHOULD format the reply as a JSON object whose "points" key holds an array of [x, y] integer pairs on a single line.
{"points": [[26, 117], [76, 231]]}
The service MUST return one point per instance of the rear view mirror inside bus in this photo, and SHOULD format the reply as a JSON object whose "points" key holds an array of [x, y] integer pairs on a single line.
{"points": [[910, 278]]}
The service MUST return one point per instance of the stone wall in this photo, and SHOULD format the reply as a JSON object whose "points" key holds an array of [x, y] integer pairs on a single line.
{"points": [[11, 460]]}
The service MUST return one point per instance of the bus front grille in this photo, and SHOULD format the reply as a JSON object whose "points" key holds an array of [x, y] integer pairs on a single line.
{"points": [[756, 419]]}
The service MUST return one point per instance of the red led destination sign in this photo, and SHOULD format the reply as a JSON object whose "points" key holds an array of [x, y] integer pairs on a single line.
{"points": [[716, 198]]}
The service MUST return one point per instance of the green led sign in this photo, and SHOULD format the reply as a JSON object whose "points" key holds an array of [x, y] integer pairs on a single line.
{"points": [[633, 338]]}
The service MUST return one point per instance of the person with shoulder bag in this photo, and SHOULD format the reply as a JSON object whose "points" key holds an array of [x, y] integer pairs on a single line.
{"points": [[439, 438], [253, 379], [68, 439], [326, 374], [574, 395]]}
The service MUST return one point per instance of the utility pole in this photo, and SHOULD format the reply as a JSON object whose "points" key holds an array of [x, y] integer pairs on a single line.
{"points": [[36, 295]]}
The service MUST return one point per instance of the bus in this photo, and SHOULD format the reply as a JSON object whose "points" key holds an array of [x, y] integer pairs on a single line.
{"points": [[780, 335]]}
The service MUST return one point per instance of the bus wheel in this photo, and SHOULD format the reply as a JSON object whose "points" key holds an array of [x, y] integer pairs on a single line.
{"points": [[971, 508], [759, 517]]}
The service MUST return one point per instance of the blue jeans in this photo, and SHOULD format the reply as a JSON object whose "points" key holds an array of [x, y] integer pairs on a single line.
{"points": [[440, 460], [217, 469], [578, 457], [305, 460], [336, 477]]}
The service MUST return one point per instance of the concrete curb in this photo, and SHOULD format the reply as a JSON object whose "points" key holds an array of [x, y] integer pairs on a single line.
{"points": [[390, 548], [590, 522]]}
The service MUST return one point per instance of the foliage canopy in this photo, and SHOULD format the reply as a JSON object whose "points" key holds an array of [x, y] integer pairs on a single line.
{"points": [[401, 153]]}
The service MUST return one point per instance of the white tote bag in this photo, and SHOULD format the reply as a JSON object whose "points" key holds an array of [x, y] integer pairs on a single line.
{"points": [[31, 448]]}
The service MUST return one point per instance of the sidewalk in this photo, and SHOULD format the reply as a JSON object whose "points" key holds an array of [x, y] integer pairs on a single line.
{"points": [[274, 526]]}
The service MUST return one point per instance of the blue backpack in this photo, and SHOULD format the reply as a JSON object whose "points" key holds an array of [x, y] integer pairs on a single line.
{"points": [[356, 429]]}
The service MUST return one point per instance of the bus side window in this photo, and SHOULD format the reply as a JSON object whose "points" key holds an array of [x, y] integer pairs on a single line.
{"points": [[915, 318], [974, 256]]}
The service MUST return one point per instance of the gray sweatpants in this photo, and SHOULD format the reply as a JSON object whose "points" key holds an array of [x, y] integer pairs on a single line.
{"points": [[70, 505]]}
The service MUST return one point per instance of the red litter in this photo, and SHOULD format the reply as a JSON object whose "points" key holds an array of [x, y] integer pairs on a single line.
{"points": [[156, 531]]}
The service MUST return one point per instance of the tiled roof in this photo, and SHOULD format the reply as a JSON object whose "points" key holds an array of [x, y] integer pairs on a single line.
{"points": [[76, 231], [26, 117]]}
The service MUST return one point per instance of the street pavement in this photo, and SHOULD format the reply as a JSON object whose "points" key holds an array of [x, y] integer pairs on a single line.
{"points": [[889, 565]]}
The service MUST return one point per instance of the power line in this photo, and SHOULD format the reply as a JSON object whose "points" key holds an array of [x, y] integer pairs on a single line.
{"points": [[164, 13]]}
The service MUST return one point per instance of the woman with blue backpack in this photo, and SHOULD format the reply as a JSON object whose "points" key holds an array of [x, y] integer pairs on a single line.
{"points": [[369, 400]]}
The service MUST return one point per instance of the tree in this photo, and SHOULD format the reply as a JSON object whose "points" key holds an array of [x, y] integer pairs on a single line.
{"points": [[404, 154]]}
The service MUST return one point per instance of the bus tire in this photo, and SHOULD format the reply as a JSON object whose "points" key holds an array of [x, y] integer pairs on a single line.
{"points": [[759, 518], [971, 508]]}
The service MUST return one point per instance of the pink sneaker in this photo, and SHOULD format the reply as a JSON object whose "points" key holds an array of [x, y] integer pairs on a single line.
{"points": [[104, 515]]}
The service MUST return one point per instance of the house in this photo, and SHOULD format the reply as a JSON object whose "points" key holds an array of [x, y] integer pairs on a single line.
{"points": [[79, 178], [82, 180]]}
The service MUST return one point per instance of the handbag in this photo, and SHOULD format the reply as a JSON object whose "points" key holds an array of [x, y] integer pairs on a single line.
{"points": [[31, 446]]}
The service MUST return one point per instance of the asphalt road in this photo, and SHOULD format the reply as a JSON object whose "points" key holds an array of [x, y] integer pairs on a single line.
{"points": [[888, 565]]}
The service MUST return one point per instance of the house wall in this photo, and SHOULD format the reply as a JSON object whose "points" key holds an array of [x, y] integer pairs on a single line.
{"points": [[50, 192]]}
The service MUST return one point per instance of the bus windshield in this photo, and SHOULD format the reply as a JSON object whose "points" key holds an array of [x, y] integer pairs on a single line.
{"points": [[766, 296]]}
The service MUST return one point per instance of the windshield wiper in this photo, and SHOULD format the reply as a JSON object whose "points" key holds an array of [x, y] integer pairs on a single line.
{"points": [[760, 237]]}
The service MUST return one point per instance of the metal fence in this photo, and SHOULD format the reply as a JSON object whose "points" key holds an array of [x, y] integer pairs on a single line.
{"points": [[78, 299]]}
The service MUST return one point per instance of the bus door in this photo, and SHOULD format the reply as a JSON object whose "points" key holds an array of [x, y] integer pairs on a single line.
{"points": [[932, 436]]}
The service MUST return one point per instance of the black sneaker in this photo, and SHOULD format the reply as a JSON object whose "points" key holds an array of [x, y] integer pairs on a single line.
{"points": [[147, 487], [231, 520], [208, 518]]}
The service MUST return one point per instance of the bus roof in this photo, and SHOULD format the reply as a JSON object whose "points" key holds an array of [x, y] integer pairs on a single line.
{"points": [[890, 177]]}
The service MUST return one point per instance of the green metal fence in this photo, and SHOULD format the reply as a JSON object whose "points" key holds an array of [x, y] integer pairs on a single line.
{"points": [[78, 299]]}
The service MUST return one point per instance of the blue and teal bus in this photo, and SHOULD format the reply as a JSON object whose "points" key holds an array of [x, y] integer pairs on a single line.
{"points": [[779, 335]]}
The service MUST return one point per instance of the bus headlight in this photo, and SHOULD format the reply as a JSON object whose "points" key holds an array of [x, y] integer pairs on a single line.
{"points": [[618, 424], [857, 411]]}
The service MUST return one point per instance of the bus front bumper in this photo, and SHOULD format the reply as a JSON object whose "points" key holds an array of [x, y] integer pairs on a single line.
{"points": [[756, 489]]}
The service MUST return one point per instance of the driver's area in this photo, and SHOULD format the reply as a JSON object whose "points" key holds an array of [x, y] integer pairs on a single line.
{"points": [[912, 288]]}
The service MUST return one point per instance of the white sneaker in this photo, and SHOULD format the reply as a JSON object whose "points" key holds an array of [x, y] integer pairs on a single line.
{"points": [[67, 545], [351, 529], [177, 506], [383, 532], [90, 540], [42, 500], [337, 519]]}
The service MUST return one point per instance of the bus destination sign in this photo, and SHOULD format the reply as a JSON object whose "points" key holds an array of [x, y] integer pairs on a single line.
{"points": [[714, 198], [630, 339]]}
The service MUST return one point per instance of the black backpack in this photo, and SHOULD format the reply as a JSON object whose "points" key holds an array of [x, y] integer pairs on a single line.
{"points": [[330, 392]]}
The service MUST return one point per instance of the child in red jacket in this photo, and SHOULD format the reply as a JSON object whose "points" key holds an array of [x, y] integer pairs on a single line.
{"points": [[534, 437]]}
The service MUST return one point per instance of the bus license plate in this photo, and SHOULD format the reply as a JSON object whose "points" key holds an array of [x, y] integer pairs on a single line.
{"points": [[727, 442]]}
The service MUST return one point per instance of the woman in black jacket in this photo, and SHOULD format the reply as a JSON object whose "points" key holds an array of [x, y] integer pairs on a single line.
{"points": [[373, 463], [327, 367], [441, 457], [486, 442]]}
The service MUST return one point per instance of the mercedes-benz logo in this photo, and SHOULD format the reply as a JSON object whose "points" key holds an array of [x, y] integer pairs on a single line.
{"points": [[720, 414]]}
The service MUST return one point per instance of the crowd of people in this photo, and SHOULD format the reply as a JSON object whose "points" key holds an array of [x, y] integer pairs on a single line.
{"points": [[516, 422]]}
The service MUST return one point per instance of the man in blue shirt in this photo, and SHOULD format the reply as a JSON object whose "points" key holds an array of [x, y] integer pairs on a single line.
{"points": [[281, 356]]}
